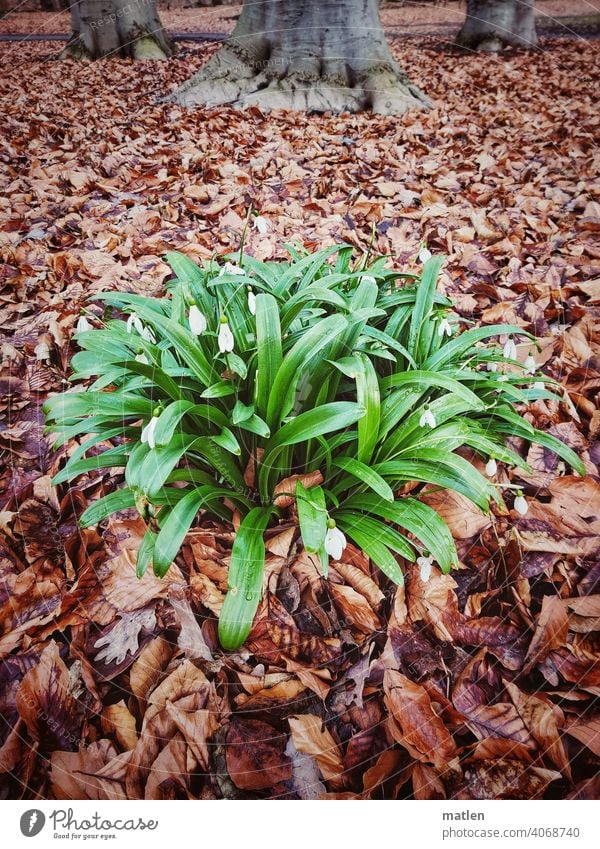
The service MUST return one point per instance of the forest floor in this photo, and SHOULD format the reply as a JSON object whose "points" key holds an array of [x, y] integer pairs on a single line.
{"points": [[111, 687]]}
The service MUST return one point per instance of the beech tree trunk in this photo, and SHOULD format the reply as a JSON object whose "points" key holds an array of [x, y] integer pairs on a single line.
{"points": [[491, 25], [308, 55], [116, 28]]}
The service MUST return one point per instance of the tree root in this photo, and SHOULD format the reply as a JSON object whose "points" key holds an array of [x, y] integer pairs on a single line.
{"points": [[228, 80]]}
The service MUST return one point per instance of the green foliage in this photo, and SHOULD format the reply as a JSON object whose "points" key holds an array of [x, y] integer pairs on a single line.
{"points": [[314, 364]]}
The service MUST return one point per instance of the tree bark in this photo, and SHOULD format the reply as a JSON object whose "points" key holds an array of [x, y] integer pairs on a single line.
{"points": [[491, 25], [308, 55], [126, 28]]}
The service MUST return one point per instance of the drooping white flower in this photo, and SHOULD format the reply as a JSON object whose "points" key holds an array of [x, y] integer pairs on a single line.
{"points": [[251, 301], [491, 467], [521, 505], [539, 385], [197, 321], [368, 278], [134, 321], [83, 324], [261, 224], [425, 564], [335, 541], [424, 254], [530, 364], [427, 418], [226, 340], [444, 327], [492, 366], [148, 432], [510, 349], [141, 358], [148, 334], [231, 268]]}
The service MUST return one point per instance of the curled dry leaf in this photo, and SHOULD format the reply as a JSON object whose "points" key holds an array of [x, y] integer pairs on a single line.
{"points": [[46, 705], [285, 491], [312, 737], [551, 631], [256, 758], [416, 725]]}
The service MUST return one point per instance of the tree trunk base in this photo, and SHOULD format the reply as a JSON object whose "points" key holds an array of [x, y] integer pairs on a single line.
{"points": [[232, 80], [492, 25], [103, 28]]}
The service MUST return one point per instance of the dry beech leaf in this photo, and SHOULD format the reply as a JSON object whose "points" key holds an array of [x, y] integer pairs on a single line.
{"points": [[118, 720], [45, 704], [312, 737], [256, 756], [416, 725], [550, 632], [354, 608]]}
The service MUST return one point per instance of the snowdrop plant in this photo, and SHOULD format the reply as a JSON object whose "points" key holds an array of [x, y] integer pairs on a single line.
{"points": [[211, 402]]}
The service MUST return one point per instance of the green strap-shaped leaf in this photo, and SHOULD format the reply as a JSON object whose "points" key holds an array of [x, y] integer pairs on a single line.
{"points": [[373, 546], [379, 530], [430, 379], [111, 458], [448, 471], [268, 343], [308, 425], [312, 516], [185, 342], [121, 499], [310, 345], [423, 306], [365, 474], [418, 518], [145, 553], [172, 415], [457, 346], [177, 524], [245, 579]]}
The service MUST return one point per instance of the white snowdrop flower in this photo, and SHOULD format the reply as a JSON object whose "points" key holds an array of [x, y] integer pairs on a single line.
{"points": [[134, 321], [148, 334], [425, 565], [251, 301], [427, 418], [83, 324], [335, 541], [148, 432], [368, 278], [491, 467], [539, 385], [492, 366], [231, 268], [225, 337], [197, 321], [261, 224], [142, 358], [445, 327], [424, 254], [521, 505], [530, 364], [510, 349]]}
